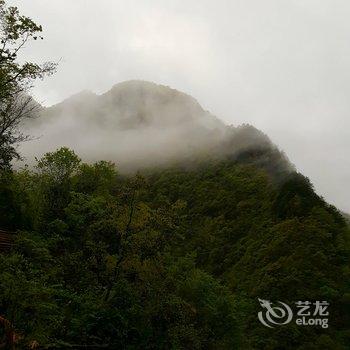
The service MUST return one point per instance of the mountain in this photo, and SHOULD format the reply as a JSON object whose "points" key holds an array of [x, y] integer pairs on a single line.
{"points": [[136, 104], [215, 244], [138, 124]]}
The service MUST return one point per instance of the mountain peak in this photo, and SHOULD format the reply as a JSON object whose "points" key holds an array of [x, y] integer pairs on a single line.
{"points": [[138, 123], [144, 89], [139, 103], [135, 84], [81, 95]]}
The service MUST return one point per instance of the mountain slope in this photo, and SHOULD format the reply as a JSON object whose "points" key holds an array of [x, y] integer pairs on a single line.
{"points": [[264, 241], [176, 256], [138, 124]]}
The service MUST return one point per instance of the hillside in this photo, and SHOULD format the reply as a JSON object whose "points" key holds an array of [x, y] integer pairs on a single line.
{"points": [[177, 255]]}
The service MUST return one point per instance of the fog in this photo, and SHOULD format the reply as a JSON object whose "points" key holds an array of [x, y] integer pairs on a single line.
{"points": [[282, 66], [136, 124]]}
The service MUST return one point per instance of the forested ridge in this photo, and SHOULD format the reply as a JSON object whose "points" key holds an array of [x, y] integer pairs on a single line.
{"points": [[171, 258]]}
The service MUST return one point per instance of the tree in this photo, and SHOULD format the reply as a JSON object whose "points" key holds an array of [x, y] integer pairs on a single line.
{"points": [[56, 172], [16, 79], [59, 165]]}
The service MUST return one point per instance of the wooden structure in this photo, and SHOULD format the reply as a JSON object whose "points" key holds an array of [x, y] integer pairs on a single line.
{"points": [[6, 240]]}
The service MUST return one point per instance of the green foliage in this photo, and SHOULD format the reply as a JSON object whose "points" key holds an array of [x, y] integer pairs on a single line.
{"points": [[16, 79], [59, 166], [98, 178], [15, 31], [174, 259], [10, 215]]}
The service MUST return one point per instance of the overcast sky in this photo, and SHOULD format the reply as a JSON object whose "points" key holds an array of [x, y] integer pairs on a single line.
{"points": [[281, 65]]}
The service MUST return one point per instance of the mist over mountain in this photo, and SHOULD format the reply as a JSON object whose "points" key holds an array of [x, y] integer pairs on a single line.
{"points": [[216, 220], [136, 219], [138, 124], [220, 206]]}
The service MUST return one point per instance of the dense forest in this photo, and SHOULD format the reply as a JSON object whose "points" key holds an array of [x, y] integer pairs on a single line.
{"points": [[170, 257]]}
